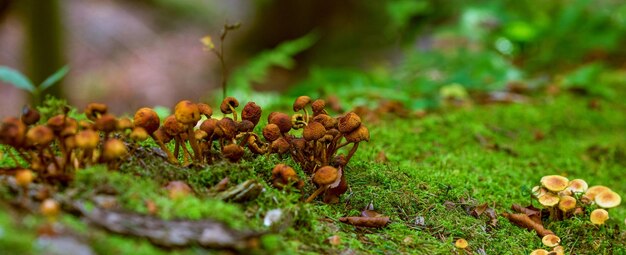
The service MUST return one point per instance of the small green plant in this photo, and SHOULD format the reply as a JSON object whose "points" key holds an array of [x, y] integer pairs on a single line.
{"points": [[20, 81], [208, 43]]}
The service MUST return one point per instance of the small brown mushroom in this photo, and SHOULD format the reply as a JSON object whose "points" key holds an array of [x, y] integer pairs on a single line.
{"points": [[318, 107], [324, 178], [300, 105], [205, 110], [283, 175], [282, 120], [251, 112], [233, 152], [349, 122], [271, 132], [188, 114], [93, 111], [228, 106], [29, 116], [113, 149]]}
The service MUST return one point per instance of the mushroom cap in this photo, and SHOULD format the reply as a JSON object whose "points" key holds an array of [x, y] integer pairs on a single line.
{"points": [[209, 126], [139, 134], [461, 243], [358, 135], [106, 123], [538, 191], [279, 169], [162, 135], [113, 149], [349, 122], [297, 121], [226, 102], [313, 131], [326, 120], [12, 132], [577, 185], [227, 127], [300, 103], [325, 175], [608, 199], [87, 139], [539, 252], [282, 120], [251, 112], [599, 216], [567, 203], [318, 106], [205, 109], [298, 143], [187, 112], [172, 126], [595, 190], [549, 199], [554, 183], [29, 116], [39, 136], [199, 134], [147, 119], [50, 207], [23, 177], [94, 110], [233, 152], [550, 240], [271, 132], [559, 250], [280, 146], [124, 123], [56, 123], [245, 126]]}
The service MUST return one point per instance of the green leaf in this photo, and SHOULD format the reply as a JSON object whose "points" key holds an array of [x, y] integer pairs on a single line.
{"points": [[54, 78], [15, 78]]}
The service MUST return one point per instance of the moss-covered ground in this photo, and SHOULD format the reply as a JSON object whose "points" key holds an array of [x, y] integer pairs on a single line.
{"points": [[435, 168]]}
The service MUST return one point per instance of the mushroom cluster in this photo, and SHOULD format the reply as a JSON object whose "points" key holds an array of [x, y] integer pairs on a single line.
{"points": [[564, 198], [61, 144], [317, 149]]}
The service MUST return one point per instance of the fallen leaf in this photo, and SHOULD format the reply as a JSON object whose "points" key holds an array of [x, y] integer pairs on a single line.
{"points": [[222, 185], [522, 220], [532, 212], [479, 210], [368, 222]]}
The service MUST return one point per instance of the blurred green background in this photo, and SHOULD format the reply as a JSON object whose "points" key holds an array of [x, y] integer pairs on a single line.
{"points": [[148, 52]]}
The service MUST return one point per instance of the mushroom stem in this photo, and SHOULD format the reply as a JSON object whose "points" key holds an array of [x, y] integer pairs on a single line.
{"points": [[54, 160], [306, 115], [183, 145], [176, 148], [352, 151], [191, 136], [234, 112], [316, 193], [170, 157]]}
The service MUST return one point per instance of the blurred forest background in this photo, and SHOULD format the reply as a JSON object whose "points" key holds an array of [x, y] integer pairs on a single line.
{"points": [[148, 52]]}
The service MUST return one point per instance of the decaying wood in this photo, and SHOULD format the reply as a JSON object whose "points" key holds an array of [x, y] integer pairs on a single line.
{"points": [[168, 233], [368, 222], [522, 220]]}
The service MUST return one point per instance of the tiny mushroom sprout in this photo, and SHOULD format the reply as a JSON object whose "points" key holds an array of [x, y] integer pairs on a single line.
{"points": [[599, 216], [284, 175], [113, 149], [608, 199], [324, 177], [50, 208], [551, 240], [24, 177], [461, 243], [554, 183]]}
